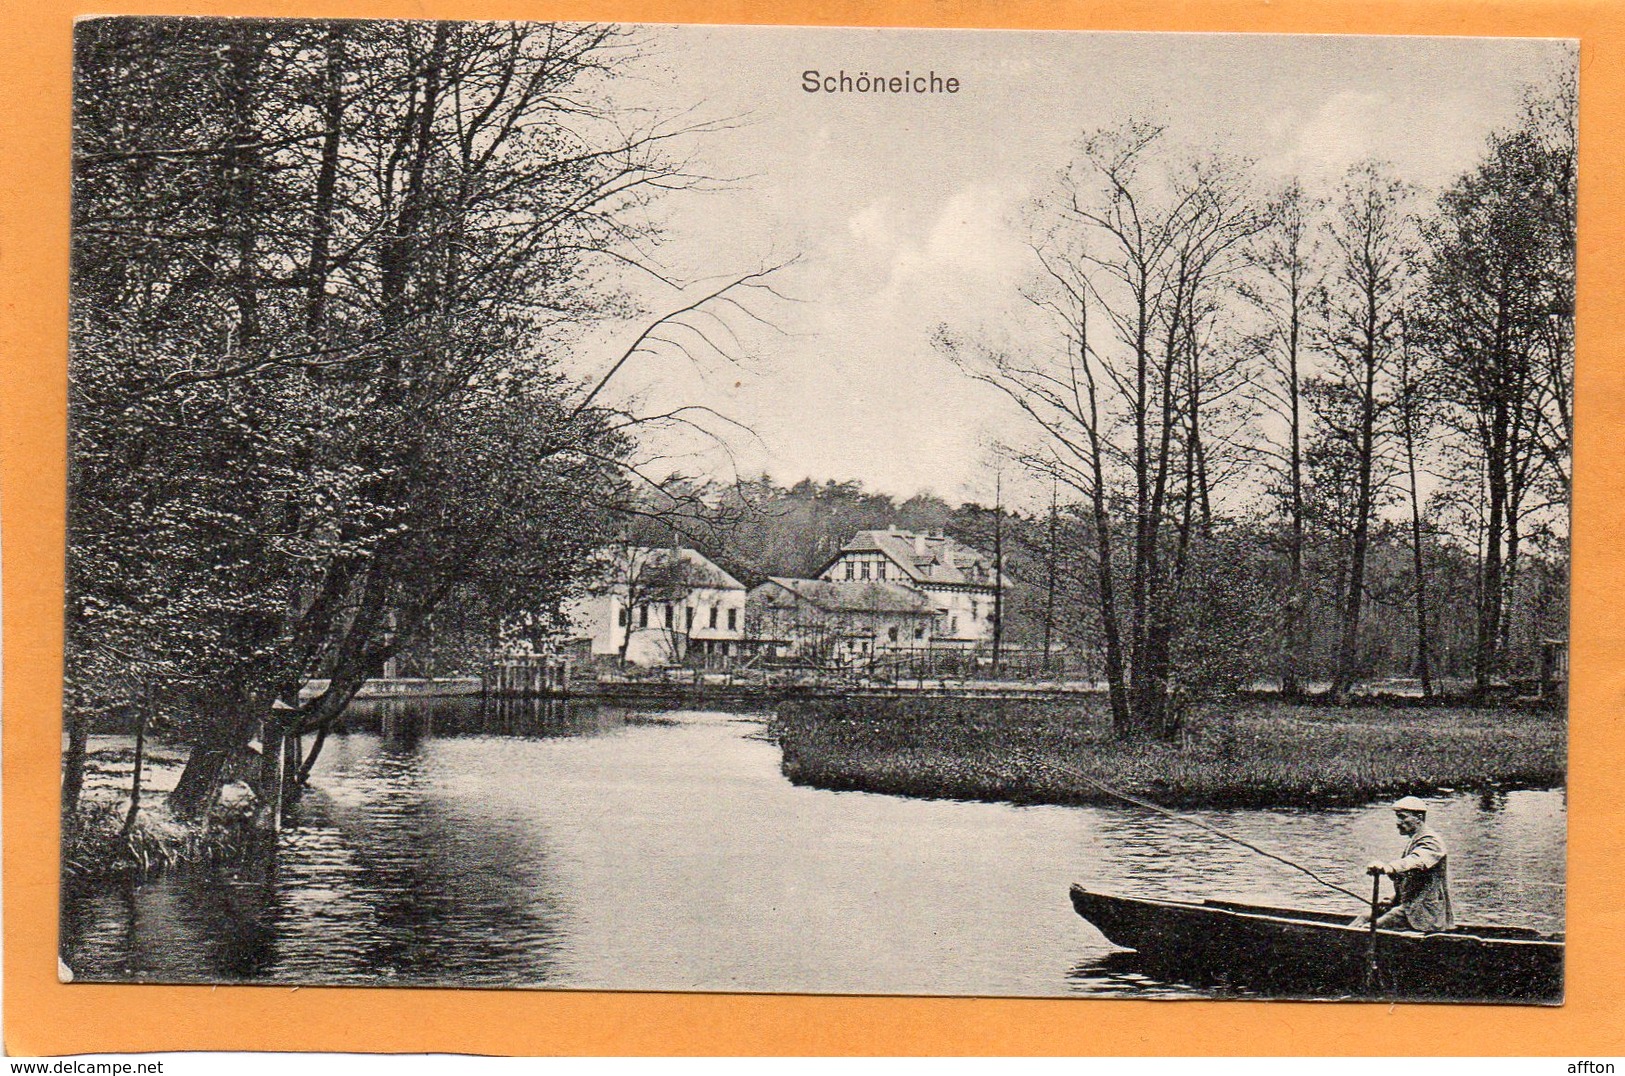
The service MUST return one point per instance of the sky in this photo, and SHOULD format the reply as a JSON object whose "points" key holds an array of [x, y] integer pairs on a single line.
{"points": [[905, 212]]}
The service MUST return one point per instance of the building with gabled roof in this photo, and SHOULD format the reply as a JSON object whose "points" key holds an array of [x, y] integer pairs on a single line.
{"points": [[962, 583], [837, 620], [661, 606]]}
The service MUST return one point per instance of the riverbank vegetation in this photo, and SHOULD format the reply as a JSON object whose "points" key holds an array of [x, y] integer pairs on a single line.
{"points": [[123, 827], [331, 283], [1252, 754]]}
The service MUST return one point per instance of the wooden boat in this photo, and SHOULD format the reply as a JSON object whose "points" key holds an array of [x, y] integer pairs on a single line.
{"points": [[1304, 953]]}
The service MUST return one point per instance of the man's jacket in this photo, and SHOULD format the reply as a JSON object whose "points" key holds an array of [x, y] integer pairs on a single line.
{"points": [[1422, 883]]}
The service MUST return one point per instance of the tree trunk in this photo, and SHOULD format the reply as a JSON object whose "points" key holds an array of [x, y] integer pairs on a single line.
{"points": [[73, 767], [1349, 639], [1424, 669], [998, 571], [1111, 626], [1054, 552], [1486, 663], [224, 737], [1290, 686], [1409, 406], [1349, 642], [316, 745], [140, 752]]}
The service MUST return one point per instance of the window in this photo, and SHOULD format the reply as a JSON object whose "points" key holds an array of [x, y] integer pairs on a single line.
{"points": [[919, 631], [733, 619], [668, 614], [643, 616], [621, 617], [849, 569], [713, 616], [690, 624], [880, 572], [863, 573], [891, 633], [953, 625]]}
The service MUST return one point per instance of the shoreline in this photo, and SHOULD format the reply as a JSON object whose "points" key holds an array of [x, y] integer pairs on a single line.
{"points": [[1236, 754], [100, 849], [1243, 753]]}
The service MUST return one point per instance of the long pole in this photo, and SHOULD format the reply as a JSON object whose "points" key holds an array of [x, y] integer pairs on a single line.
{"points": [[1371, 946], [1197, 822]]}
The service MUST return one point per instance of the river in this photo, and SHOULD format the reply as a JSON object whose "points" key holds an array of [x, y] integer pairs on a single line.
{"points": [[576, 845]]}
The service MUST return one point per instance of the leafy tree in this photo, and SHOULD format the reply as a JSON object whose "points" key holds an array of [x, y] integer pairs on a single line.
{"points": [[326, 275]]}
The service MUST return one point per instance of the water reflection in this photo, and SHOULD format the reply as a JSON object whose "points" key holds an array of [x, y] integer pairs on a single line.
{"points": [[569, 845], [402, 723], [1119, 974]]}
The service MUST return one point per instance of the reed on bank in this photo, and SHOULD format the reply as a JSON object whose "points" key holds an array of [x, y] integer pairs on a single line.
{"points": [[1252, 754], [102, 841]]}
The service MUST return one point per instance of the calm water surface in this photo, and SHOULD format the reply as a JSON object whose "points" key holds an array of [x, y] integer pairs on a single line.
{"points": [[595, 847]]}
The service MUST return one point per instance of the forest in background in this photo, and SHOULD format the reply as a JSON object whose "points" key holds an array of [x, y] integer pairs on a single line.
{"points": [[777, 530]]}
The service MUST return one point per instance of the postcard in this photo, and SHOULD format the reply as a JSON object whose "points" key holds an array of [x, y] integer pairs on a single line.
{"points": [[632, 507], [801, 538]]}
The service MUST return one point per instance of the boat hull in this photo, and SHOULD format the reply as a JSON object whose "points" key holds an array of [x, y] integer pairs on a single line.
{"points": [[1284, 951]]}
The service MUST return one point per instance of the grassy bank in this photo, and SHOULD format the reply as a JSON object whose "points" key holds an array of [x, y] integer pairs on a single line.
{"points": [[1241, 754], [98, 845]]}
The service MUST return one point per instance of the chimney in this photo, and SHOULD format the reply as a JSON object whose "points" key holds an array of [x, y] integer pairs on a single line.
{"points": [[919, 545], [946, 557]]}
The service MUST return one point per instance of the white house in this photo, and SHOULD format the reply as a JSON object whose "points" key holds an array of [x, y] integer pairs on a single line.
{"points": [[661, 606], [961, 582]]}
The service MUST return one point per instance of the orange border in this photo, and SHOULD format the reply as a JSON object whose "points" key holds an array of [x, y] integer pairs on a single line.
{"points": [[44, 1017]]}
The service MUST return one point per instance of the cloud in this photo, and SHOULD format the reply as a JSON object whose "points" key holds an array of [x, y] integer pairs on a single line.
{"points": [[968, 248], [873, 224], [1345, 129]]}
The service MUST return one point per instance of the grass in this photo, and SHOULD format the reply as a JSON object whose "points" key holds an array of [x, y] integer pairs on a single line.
{"points": [[1244, 754], [100, 848], [97, 845]]}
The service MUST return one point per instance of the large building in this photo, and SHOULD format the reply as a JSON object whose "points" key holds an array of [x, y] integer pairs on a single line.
{"points": [[961, 583], [820, 621], [661, 606]]}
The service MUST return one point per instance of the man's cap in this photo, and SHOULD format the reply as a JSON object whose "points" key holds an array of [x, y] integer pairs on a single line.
{"points": [[1411, 803]]}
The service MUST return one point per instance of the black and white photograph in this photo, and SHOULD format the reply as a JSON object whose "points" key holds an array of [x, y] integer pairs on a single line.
{"points": [[821, 511]]}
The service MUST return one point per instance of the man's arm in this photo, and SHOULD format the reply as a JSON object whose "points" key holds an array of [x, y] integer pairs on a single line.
{"points": [[1426, 855]]}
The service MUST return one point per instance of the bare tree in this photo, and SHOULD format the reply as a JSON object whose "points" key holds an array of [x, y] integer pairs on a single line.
{"points": [[1284, 287], [1414, 414], [1137, 247], [1499, 302], [1365, 289]]}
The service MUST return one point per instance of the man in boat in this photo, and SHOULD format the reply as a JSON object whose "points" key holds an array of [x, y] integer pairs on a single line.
{"points": [[1421, 879]]}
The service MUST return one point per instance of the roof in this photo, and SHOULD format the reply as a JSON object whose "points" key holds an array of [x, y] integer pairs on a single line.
{"points": [[674, 565], [855, 596], [925, 558]]}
